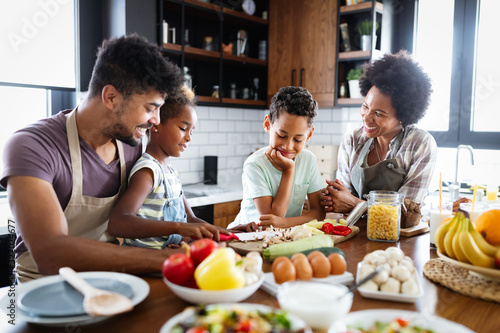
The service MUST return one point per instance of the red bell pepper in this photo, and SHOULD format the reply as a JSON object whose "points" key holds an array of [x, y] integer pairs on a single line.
{"points": [[327, 228], [341, 230]]}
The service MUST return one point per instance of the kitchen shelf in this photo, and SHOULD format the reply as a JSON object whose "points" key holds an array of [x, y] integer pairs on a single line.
{"points": [[349, 101], [360, 7], [209, 68]]}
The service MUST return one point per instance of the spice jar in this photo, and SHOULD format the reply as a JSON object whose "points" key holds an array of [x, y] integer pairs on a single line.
{"points": [[384, 215], [215, 91]]}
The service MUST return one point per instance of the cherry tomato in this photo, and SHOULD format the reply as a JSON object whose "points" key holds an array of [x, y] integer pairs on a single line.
{"points": [[402, 322], [243, 326], [201, 249], [178, 268], [197, 330]]}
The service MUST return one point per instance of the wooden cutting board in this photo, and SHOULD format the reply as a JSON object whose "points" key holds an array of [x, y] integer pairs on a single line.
{"points": [[418, 229], [244, 247]]}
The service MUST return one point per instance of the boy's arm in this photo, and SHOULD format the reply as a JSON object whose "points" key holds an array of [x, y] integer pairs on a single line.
{"points": [[41, 222], [315, 212], [279, 204], [124, 221]]}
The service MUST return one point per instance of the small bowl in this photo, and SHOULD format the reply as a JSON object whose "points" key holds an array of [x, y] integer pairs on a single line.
{"points": [[314, 302], [198, 296]]}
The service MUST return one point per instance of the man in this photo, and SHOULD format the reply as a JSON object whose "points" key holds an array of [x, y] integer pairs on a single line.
{"points": [[64, 174]]}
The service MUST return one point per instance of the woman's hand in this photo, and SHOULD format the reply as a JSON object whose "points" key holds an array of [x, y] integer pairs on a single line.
{"points": [[278, 161], [341, 198], [276, 221], [326, 200]]}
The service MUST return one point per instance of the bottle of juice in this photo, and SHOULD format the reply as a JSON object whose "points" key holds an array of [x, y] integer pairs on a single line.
{"points": [[491, 192]]}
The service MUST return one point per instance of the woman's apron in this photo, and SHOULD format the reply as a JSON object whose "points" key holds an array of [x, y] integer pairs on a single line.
{"points": [[386, 175], [87, 217]]}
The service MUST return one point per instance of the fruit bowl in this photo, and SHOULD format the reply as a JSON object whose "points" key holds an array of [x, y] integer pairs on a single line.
{"points": [[487, 273], [198, 296]]}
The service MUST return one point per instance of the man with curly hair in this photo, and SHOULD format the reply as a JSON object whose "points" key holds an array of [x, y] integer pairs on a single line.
{"points": [[278, 178], [389, 152], [65, 173]]}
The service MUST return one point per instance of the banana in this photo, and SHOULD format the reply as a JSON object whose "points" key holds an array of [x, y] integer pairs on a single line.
{"points": [[455, 242], [473, 253], [448, 238], [440, 233], [486, 247]]}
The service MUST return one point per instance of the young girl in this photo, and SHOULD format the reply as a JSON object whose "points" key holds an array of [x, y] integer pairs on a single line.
{"points": [[277, 178], [154, 194]]}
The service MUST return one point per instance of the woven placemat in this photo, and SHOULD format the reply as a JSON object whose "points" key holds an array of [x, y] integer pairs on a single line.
{"points": [[461, 280]]}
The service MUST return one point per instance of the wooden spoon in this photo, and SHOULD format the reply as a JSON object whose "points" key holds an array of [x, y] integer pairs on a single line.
{"points": [[96, 302]]}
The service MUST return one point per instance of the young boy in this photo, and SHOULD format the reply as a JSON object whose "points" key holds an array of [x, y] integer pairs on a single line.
{"points": [[277, 178], [153, 212]]}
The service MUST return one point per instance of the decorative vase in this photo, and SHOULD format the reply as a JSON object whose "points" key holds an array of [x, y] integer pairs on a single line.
{"points": [[354, 91], [366, 42]]}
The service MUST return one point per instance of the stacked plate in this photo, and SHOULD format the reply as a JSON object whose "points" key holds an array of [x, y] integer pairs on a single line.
{"points": [[53, 302]]}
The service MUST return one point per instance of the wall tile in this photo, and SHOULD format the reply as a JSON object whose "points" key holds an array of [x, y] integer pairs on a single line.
{"points": [[217, 138], [218, 113]]}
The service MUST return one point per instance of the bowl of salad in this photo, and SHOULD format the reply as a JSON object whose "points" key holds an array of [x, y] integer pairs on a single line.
{"points": [[232, 317]]}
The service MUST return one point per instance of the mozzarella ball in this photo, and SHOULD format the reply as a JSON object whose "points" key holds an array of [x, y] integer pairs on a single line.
{"points": [[393, 263], [370, 258], [408, 265], [409, 287], [365, 269], [401, 273], [395, 253], [370, 286], [391, 286], [380, 253], [381, 277]]}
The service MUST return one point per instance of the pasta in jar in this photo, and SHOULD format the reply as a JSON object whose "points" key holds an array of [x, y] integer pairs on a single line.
{"points": [[384, 215]]}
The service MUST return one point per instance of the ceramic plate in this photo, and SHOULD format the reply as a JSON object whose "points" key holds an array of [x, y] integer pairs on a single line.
{"points": [[140, 289], [296, 323], [271, 287], [488, 273], [61, 299], [398, 297], [364, 319]]}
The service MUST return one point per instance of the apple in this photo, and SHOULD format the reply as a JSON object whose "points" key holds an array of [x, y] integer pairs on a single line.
{"points": [[178, 268], [202, 248], [497, 259]]}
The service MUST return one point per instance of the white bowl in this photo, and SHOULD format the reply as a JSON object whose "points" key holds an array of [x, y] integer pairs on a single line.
{"points": [[316, 303], [198, 296]]}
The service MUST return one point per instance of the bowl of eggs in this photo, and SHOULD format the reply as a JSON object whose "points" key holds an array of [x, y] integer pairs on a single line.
{"points": [[397, 280]]}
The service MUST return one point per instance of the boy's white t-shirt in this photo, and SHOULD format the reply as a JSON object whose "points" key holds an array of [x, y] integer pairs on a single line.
{"points": [[261, 179]]}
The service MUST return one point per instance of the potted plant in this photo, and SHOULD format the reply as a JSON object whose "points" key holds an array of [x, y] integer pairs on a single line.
{"points": [[365, 31], [353, 78]]}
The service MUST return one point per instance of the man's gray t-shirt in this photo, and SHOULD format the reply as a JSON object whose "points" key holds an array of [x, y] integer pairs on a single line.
{"points": [[41, 150]]}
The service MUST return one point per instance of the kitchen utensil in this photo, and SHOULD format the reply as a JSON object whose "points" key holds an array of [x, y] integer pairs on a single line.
{"points": [[361, 282], [356, 213], [96, 302]]}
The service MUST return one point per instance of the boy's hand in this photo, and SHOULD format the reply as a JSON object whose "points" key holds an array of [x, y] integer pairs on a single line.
{"points": [[278, 161], [249, 227], [275, 221]]}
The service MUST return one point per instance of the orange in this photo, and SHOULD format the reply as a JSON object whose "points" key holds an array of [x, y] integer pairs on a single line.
{"points": [[488, 225]]}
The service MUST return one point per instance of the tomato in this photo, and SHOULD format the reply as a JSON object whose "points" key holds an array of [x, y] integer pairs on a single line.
{"points": [[243, 326], [201, 249], [178, 268], [402, 322], [197, 330]]}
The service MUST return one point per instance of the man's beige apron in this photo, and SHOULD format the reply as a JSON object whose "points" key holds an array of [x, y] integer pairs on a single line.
{"points": [[87, 217]]}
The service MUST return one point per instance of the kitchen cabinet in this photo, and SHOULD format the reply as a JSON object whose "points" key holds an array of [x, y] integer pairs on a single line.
{"points": [[225, 213], [351, 16], [326, 157], [302, 46], [195, 38]]}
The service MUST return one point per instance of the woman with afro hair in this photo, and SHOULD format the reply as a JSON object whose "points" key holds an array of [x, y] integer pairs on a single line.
{"points": [[389, 152]]}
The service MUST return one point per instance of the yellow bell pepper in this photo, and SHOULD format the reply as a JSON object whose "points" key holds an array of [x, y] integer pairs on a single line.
{"points": [[219, 271]]}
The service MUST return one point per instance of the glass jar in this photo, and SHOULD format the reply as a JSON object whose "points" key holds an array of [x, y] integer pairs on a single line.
{"points": [[215, 91], [384, 215]]}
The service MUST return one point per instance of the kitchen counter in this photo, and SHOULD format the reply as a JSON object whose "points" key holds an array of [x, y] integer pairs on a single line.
{"points": [[202, 195]]}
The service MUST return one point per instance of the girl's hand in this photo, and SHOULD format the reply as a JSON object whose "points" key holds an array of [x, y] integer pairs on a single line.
{"points": [[278, 161], [249, 227], [276, 221], [342, 199], [201, 230]]}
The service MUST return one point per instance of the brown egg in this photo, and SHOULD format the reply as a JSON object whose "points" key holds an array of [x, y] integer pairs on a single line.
{"points": [[277, 261], [315, 254], [303, 268], [320, 266], [337, 263], [284, 271], [298, 256]]}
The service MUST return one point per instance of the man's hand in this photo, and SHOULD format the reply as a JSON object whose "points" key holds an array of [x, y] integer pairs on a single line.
{"points": [[278, 161], [276, 221]]}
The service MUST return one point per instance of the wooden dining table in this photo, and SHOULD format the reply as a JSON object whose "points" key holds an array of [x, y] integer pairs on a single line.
{"points": [[161, 304]]}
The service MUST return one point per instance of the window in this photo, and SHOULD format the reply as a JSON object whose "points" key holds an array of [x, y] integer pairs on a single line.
{"points": [[455, 43], [37, 62]]}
